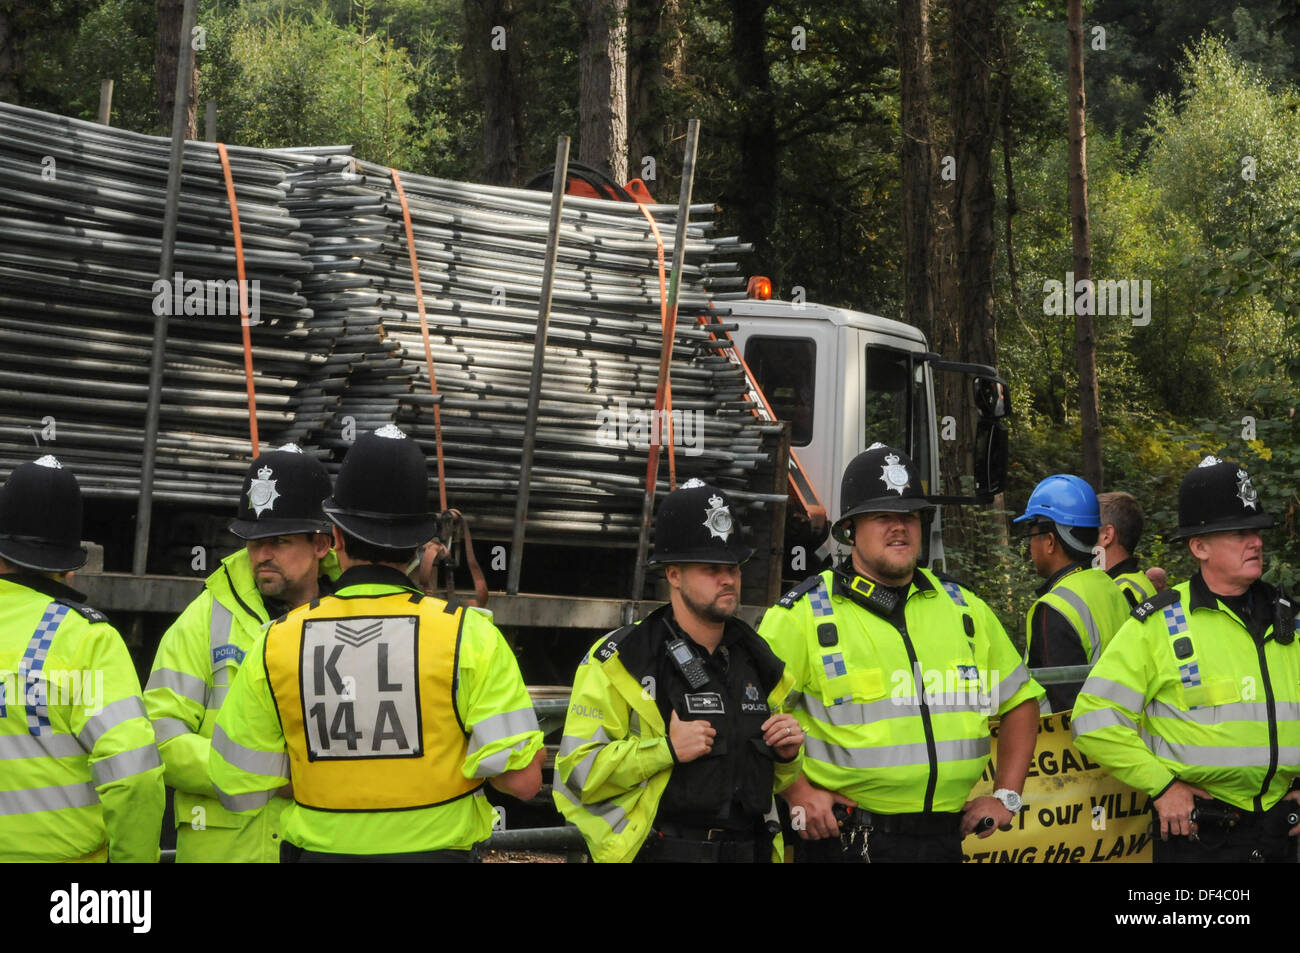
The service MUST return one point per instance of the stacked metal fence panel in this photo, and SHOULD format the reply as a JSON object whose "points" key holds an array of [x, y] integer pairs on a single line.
{"points": [[337, 345]]}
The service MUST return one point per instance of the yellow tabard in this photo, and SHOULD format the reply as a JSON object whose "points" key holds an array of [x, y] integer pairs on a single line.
{"points": [[364, 688]]}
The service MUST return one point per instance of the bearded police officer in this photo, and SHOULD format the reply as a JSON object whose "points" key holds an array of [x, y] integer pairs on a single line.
{"points": [[674, 741], [386, 708], [897, 673], [286, 561], [1197, 699], [1121, 528], [1079, 608], [81, 775]]}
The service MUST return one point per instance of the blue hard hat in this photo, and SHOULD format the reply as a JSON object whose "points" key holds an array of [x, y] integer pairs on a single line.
{"points": [[1063, 499]]}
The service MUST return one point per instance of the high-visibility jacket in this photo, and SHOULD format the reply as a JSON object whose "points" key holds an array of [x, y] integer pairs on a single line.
{"points": [[192, 671], [377, 673], [1136, 587], [1090, 602], [614, 761], [1184, 692], [889, 715], [80, 777]]}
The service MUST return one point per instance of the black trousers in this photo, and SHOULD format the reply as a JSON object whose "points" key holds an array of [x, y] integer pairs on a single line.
{"points": [[290, 854], [882, 848], [1258, 839]]}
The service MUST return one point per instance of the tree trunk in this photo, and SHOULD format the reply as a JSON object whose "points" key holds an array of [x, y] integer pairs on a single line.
{"points": [[917, 167], [756, 207], [493, 56], [1008, 148], [1085, 340], [170, 14], [9, 71], [656, 55], [602, 94]]}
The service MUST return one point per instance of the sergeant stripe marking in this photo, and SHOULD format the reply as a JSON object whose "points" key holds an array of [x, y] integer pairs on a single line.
{"points": [[179, 683], [31, 800], [244, 802], [165, 729], [1101, 718], [502, 725], [1216, 756], [125, 764], [112, 715], [1232, 711], [606, 810], [274, 764], [499, 761], [29, 669], [1111, 691], [39, 746], [1085, 614], [895, 756]]}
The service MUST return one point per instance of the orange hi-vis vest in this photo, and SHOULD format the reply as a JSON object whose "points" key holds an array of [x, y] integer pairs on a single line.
{"points": [[364, 688]]}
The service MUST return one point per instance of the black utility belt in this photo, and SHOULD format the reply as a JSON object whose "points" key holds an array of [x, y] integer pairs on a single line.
{"points": [[688, 832], [1211, 812], [923, 824]]}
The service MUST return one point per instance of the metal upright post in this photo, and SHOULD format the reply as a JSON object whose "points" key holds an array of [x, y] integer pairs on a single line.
{"points": [[144, 509], [665, 355], [105, 102], [539, 356]]}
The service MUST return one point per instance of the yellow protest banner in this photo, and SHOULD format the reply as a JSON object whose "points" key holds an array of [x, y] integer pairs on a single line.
{"points": [[1074, 812]]}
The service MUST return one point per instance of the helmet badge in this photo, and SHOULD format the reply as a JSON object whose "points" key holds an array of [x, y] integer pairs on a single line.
{"points": [[718, 519], [261, 492], [894, 475], [1245, 492]]}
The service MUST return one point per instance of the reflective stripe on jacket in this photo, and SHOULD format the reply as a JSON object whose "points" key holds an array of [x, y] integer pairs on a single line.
{"points": [[1189, 694], [1093, 605], [882, 727], [79, 766]]}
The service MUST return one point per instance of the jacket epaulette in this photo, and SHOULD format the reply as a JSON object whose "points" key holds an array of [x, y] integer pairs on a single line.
{"points": [[790, 598], [605, 651], [90, 613], [1156, 602]]}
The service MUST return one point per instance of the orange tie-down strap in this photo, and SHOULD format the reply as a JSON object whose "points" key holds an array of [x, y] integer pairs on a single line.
{"points": [[663, 401], [243, 297], [424, 331]]}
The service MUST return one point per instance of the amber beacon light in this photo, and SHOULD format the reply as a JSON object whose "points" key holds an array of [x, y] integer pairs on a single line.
{"points": [[760, 288]]}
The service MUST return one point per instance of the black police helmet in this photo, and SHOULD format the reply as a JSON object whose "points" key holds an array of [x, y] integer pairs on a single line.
{"points": [[382, 493], [696, 524], [880, 479], [282, 494], [40, 517], [1216, 495]]}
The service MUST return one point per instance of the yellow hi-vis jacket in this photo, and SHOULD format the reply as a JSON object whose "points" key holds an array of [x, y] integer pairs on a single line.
{"points": [[614, 760], [1136, 587], [1184, 692], [80, 777], [404, 706], [1093, 605], [193, 669], [887, 715]]}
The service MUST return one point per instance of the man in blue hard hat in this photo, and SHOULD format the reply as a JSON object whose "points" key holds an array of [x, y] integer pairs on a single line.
{"points": [[1078, 607]]}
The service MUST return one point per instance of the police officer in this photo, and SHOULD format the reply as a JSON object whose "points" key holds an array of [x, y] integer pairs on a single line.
{"points": [[897, 672], [82, 778], [1197, 699], [286, 561], [1078, 608], [1121, 528], [386, 708], [674, 741]]}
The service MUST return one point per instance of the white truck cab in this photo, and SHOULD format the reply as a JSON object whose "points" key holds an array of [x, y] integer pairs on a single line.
{"points": [[846, 379]]}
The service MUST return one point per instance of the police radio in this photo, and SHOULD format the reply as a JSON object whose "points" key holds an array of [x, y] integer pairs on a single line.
{"points": [[688, 664]]}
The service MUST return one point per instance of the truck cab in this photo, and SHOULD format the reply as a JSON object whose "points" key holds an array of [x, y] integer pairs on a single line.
{"points": [[846, 379]]}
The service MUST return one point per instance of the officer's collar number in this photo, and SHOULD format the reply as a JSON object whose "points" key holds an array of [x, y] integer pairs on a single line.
{"points": [[360, 688]]}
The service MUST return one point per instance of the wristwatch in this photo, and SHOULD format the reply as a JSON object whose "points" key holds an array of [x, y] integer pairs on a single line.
{"points": [[1009, 798]]}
